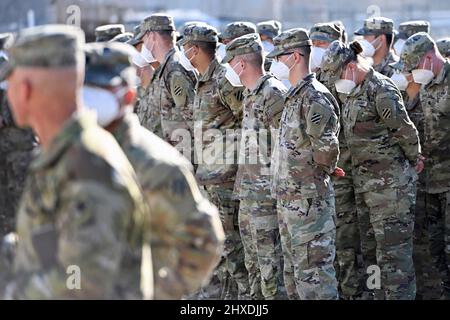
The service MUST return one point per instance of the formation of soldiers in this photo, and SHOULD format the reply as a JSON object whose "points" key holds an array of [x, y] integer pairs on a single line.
{"points": [[254, 163]]}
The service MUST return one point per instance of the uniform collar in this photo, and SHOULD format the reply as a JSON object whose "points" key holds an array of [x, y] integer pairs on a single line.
{"points": [[209, 71], [388, 59], [168, 57], [72, 128], [363, 86], [259, 85], [124, 131], [303, 82], [442, 74]]}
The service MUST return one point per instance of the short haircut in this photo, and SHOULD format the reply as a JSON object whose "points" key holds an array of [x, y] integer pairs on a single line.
{"points": [[209, 48], [389, 39], [167, 35], [254, 58], [305, 51]]}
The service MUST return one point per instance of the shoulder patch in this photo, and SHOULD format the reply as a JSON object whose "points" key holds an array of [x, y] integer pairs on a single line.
{"points": [[387, 113], [315, 118]]}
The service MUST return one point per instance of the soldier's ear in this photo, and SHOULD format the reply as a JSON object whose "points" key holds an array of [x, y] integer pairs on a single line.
{"points": [[25, 90]]}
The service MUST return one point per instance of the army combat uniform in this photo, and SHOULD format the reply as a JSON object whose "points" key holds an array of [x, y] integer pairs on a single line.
{"points": [[82, 208], [384, 147], [185, 231], [218, 107], [308, 154], [258, 223]]}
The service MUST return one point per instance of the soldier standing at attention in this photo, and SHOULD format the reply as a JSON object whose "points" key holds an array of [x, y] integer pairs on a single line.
{"points": [[308, 154]]}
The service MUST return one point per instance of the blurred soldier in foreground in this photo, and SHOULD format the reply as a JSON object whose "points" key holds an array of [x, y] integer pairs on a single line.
{"points": [[263, 104], [421, 57], [108, 31], [82, 208], [16, 146], [308, 155], [185, 229], [384, 148], [218, 107], [378, 34]]}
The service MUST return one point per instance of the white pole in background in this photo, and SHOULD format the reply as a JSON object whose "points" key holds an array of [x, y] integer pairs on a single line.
{"points": [[30, 18]]}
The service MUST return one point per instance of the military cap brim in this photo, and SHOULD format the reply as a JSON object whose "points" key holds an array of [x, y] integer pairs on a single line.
{"points": [[136, 40], [364, 32], [274, 53]]}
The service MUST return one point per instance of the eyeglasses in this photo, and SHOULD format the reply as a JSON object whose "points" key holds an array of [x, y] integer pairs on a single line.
{"points": [[277, 58]]}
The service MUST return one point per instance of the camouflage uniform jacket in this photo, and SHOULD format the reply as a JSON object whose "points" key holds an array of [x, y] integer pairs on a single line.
{"points": [[81, 207], [308, 143], [382, 139], [435, 98], [149, 112], [217, 107], [172, 95], [384, 66], [262, 112], [185, 229]]}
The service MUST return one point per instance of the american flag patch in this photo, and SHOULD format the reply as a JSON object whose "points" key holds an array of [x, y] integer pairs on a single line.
{"points": [[386, 114], [316, 117]]}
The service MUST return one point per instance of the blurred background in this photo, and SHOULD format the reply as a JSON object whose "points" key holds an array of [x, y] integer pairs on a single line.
{"points": [[17, 14]]}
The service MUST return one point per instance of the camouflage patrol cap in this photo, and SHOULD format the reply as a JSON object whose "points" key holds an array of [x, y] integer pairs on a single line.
{"points": [[444, 46], [414, 49], [325, 32], [337, 55], [108, 63], [270, 28], [108, 31], [123, 37], [156, 22], [408, 28], [6, 40], [137, 36], [199, 32], [48, 46], [236, 29], [183, 27], [376, 26], [248, 43], [289, 39]]}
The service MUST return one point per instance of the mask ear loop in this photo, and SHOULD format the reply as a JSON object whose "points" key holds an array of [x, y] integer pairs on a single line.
{"points": [[379, 44], [288, 60]]}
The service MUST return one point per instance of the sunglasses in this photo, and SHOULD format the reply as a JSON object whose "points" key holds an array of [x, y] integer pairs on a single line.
{"points": [[277, 58]]}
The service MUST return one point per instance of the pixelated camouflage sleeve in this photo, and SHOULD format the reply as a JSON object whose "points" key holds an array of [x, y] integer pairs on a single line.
{"points": [[182, 92], [321, 127], [275, 105], [88, 233], [390, 108], [232, 97], [187, 233]]}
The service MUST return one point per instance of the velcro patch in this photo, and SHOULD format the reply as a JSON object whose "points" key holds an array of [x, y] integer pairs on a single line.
{"points": [[178, 90], [386, 114], [316, 117]]}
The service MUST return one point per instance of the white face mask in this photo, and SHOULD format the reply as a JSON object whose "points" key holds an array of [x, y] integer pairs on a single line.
{"points": [[267, 46], [345, 86], [316, 57], [398, 46], [232, 76], [400, 81], [369, 47], [423, 76], [185, 62], [147, 54], [4, 85], [103, 102], [221, 51], [139, 60], [280, 70]]}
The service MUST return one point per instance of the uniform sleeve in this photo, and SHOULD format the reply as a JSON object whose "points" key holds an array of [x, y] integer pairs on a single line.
{"points": [[87, 239], [391, 110], [187, 234], [322, 128], [275, 106], [232, 97], [182, 92]]}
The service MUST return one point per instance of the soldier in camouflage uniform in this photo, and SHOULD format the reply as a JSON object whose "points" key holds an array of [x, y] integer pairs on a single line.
{"points": [[347, 232], [186, 233], [123, 37], [82, 208], [217, 107], [444, 47], [407, 29], [308, 154], [420, 56], [16, 147], [108, 31], [428, 283], [378, 34], [171, 92], [258, 223], [384, 147]]}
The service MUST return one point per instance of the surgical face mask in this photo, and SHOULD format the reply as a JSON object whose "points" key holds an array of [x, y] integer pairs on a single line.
{"points": [[147, 54], [400, 81], [185, 62], [267, 46], [345, 86], [281, 70], [232, 76], [398, 46], [221, 51], [369, 48], [105, 104], [423, 76], [138, 59], [316, 57]]}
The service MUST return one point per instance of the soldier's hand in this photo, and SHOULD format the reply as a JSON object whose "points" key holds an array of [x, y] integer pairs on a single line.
{"points": [[420, 163], [338, 172]]}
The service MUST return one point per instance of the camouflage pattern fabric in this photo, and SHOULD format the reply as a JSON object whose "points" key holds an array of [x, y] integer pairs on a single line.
{"points": [[384, 67]]}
